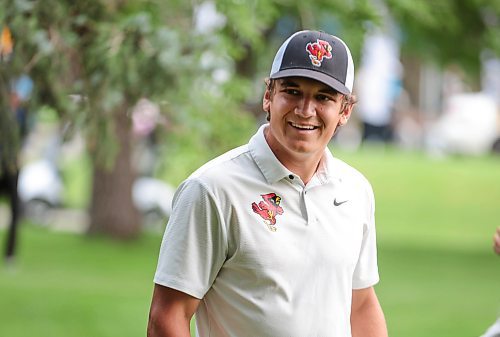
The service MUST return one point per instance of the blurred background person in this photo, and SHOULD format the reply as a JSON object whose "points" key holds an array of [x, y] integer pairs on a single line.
{"points": [[379, 85], [20, 93]]}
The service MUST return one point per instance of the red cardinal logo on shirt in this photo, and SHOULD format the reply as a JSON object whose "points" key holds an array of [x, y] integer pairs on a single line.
{"points": [[269, 209], [318, 51]]}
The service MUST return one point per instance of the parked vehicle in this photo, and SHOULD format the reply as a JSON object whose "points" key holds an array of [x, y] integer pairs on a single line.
{"points": [[40, 189], [153, 198]]}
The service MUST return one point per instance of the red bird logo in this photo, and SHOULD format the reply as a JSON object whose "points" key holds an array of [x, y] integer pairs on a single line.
{"points": [[269, 209], [318, 51]]}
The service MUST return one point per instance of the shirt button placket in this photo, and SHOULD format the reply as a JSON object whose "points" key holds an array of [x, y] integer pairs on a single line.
{"points": [[310, 218]]}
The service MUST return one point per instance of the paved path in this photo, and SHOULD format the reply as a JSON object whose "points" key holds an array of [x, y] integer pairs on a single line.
{"points": [[68, 220]]}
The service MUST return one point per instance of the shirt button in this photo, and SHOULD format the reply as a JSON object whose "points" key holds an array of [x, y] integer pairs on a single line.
{"points": [[291, 176]]}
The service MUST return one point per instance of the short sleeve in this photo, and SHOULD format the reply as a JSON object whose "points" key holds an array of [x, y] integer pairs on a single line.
{"points": [[366, 271], [194, 245]]}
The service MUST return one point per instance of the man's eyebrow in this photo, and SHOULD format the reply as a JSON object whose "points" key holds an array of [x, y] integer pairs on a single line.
{"points": [[289, 83], [325, 90], [329, 91]]}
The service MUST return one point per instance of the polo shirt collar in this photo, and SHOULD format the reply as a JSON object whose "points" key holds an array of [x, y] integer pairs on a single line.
{"points": [[271, 167], [267, 162], [327, 168]]}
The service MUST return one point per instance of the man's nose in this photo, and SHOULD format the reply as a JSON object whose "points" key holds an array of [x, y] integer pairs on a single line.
{"points": [[306, 107]]}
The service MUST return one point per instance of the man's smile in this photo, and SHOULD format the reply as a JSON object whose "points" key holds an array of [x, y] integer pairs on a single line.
{"points": [[302, 126]]}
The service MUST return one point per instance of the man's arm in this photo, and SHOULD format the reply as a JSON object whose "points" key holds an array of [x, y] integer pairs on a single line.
{"points": [[367, 318], [171, 312]]}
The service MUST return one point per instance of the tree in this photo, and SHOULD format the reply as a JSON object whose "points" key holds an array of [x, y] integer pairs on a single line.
{"points": [[108, 54], [449, 31]]}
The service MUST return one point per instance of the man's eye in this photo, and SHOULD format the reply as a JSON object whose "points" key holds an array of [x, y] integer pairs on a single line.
{"points": [[323, 98], [293, 92]]}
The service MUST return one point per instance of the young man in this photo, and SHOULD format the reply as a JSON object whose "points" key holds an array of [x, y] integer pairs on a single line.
{"points": [[277, 237]]}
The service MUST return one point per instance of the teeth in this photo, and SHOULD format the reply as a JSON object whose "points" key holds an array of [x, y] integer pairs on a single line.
{"points": [[304, 127]]}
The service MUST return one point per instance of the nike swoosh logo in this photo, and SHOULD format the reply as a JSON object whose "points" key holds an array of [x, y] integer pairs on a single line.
{"points": [[338, 203]]}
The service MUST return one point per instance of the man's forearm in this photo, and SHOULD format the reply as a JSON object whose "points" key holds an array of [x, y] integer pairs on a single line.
{"points": [[367, 317], [168, 328], [171, 312], [369, 324]]}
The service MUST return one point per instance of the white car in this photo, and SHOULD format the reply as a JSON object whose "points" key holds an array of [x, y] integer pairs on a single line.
{"points": [[153, 198], [40, 189]]}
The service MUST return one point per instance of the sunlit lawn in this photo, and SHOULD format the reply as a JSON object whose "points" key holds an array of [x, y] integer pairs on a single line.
{"points": [[70, 285], [435, 221]]}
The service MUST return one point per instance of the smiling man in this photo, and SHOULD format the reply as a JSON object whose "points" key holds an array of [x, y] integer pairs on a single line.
{"points": [[277, 237]]}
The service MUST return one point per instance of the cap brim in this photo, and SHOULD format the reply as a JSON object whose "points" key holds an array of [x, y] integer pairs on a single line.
{"points": [[315, 75]]}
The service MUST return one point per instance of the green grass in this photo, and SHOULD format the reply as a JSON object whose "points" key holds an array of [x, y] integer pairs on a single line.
{"points": [[71, 285], [439, 276], [451, 202], [435, 223]]}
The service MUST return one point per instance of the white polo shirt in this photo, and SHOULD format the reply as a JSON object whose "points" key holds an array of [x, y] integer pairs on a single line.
{"points": [[267, 255]]}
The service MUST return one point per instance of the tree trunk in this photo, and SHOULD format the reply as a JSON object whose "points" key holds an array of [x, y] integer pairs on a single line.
{"points": [[112, 210]]}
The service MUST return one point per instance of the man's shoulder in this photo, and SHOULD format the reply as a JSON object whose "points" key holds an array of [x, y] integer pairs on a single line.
{"points": [[220, 174], [223, 164], [348, 173], [353, 180]]}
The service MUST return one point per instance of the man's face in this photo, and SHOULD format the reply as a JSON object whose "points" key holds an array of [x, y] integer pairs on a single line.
{"points": [[304, 115]]}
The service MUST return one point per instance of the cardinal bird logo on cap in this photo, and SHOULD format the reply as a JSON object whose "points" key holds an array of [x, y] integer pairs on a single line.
{"points": [[268, 209], [318, 51]]}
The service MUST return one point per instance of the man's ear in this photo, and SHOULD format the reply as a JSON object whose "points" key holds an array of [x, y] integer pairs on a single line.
{"points": [[266, 101], [345, 114]]}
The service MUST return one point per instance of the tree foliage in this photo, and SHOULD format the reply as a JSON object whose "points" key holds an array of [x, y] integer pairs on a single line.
{"points": [[449, 31], [111, 52]]}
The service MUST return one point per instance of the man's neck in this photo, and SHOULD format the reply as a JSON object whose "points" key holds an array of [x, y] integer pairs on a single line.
{"points": [[303, 165]]}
